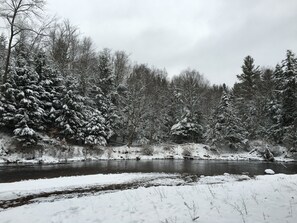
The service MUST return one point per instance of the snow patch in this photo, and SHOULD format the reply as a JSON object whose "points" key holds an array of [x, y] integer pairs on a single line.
{"points": [[29, 187], [269, 171]]}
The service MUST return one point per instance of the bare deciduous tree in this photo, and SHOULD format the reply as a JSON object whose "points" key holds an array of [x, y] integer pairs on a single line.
{"points": [[64, 45], [122, 67], [86, 64], [19, 15], [190, 88]]}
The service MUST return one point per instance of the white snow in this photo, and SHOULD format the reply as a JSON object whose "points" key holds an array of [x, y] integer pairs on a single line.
{"points": [[269, 171], [30, 187], [4, 144], [24, 131], [270, 199]]}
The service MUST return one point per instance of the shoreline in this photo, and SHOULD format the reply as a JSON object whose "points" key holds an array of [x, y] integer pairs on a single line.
{"points": [[51, 151], [94, 159]]}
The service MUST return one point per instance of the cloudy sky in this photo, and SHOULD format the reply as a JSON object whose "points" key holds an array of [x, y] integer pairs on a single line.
{"points": [[211, 36]]}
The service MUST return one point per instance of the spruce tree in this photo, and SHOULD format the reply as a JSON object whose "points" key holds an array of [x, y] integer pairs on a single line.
{"points": [[189, 128], [70, 117], [289, 99], [95, 130], [284, 105], [275, 130], [21, 106], [289, 66], [249, 78], [246, 94], [24, 134], [188, 89], [226, 127], [50, 80], [105, 91]]}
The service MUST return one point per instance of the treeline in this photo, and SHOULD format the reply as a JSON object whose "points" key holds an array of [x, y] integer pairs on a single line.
{"points": [[107, 100], [54, 82], [262, 105]]}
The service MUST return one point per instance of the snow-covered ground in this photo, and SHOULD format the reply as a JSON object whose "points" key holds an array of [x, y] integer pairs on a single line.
{"points": [[19, 189], [224, 198]]}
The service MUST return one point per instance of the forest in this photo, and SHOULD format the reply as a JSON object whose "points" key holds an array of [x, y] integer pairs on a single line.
{"points": [[55, 82]]}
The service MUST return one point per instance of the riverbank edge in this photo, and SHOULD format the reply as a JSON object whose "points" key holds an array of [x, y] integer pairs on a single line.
{"points": [[51, 151]]}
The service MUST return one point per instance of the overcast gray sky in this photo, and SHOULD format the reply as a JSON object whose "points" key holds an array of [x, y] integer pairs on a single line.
{"points": [[211, 36]]}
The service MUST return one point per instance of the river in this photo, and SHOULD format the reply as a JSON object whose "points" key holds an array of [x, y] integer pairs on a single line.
{"points": [[17, 172]]}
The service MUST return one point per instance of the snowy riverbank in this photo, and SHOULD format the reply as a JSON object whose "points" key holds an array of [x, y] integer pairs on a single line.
{"points": [[227, 198], [185, 151], [51, 151]]}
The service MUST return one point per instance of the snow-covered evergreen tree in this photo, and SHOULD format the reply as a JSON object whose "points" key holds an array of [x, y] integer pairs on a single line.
{"points": [[246, 94], [289, 66], [24, 134], [78, 120], [249, 78], [106, 72], [21, 106], [95, 130], [70, 118], [275, 129], [226, 127], [188, 89], [188, 128], [283, 107], [288, 95], [51, 81], [104, 90]]}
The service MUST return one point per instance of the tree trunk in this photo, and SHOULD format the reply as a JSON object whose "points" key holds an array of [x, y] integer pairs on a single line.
{"points": [[12, 34], [131, 137], [5, 76]]}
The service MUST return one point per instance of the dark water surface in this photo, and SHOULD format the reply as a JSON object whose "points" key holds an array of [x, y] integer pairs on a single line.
{"points": [[14, 172]]}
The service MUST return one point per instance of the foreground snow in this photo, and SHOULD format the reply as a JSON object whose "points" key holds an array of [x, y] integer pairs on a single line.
{"points": [[211, 199], [15, 190]]}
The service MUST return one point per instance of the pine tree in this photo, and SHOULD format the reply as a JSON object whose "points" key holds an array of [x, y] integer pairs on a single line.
{"points": [[21, 106], [70, 118], [24, 134], [105, 91], [189, 89], [50, 80], [275, 129], [99, 101], [188, 128], [284, 105], [95, 130], [263, 102], [105, 72], [289, 66], [78, 120], [248, 79], [247, 99], [226, 127], [289, 99]]}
